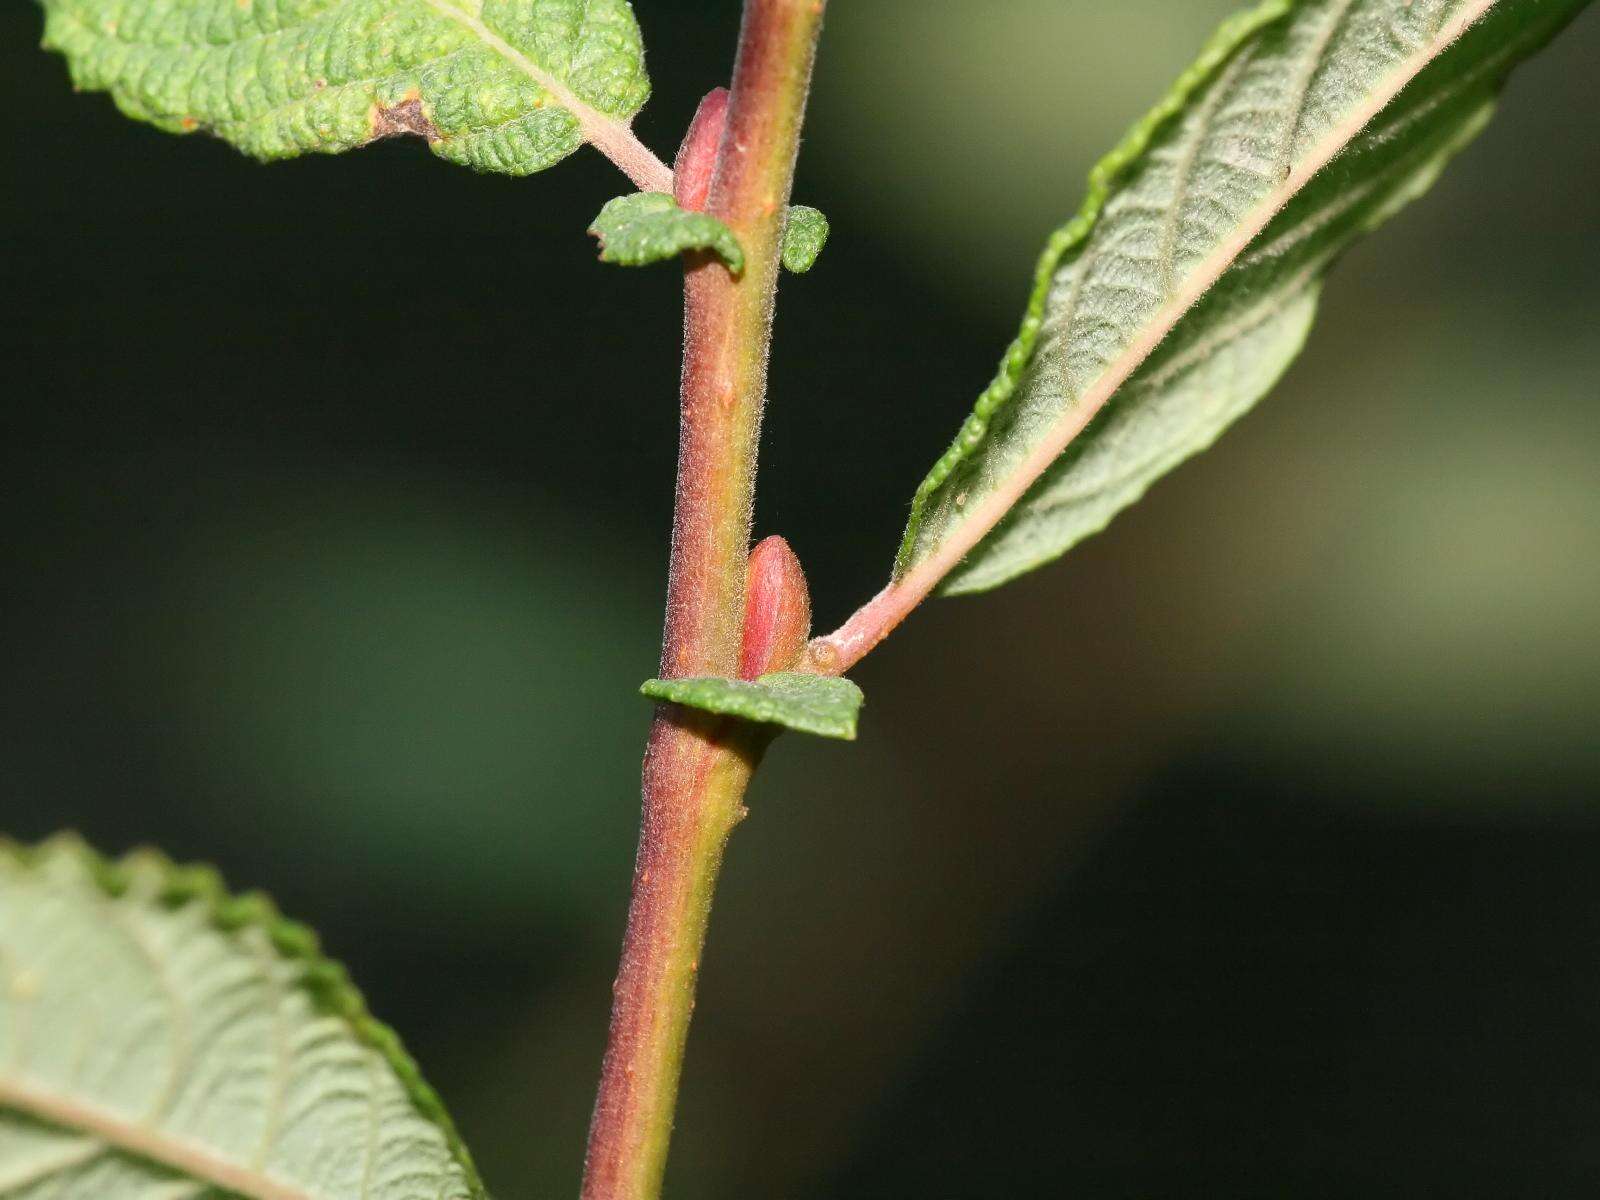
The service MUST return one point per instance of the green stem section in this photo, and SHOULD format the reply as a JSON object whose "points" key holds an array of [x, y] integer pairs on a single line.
{"points": [[697, 767], [695, 775]]}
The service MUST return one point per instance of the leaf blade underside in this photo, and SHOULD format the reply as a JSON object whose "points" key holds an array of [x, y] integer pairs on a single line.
{"points": [[825, 706], [1187, 283], [161, 1040], [508, 86]]}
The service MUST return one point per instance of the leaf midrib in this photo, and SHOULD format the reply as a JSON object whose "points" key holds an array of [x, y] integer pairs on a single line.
{"points": [[143, 1142], [605, 132], [925, 575], [612, 136]]}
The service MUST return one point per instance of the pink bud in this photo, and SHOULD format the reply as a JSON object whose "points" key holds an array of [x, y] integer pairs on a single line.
{"points": [[697, 157], [777, 610]]}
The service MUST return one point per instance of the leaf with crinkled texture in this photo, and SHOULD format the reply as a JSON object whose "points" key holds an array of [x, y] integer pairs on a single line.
{"points": [[805, 233], [816, 704], [510, 86], [162, 1040], [1188, 282], [649, 227]]}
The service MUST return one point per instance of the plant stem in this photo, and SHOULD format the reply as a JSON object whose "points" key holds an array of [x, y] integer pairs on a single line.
{"points": [[633, 158], [868, 625], [694, 781], [879, 617], [697, 767]]}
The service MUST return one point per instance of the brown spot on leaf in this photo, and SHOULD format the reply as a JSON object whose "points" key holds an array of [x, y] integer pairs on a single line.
{"points": [[405, 117]]}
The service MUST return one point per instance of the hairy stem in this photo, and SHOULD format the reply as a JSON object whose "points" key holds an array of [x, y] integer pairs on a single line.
{"points": [[632, 157], [868, 625], [697, 767]]}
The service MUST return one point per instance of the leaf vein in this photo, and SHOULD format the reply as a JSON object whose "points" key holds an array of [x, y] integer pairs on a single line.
{"points": [[1183, 171], [142, 1141], [32, 1173], [1301, 93]]}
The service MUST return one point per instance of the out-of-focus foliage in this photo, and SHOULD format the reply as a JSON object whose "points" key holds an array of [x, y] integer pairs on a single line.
{"points": [[166, 1036]]}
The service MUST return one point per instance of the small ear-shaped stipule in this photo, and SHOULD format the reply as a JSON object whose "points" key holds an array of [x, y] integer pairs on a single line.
{"points": [[777, 610], [697, 157]]}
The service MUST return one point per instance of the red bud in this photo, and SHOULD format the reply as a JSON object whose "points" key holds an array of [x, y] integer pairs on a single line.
{"points": [[697, 157], [777, 610]]}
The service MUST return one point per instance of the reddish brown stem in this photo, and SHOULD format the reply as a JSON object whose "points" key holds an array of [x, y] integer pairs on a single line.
{"points": [[696, 767]]}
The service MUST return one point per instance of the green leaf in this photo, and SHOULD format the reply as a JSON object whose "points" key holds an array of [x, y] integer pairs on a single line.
{"points": [[161, 1039], [649, 227], [1188, 281], [817, 704], [511, 86], [804, 235]]}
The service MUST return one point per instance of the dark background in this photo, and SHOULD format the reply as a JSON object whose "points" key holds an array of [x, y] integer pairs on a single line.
{"points": [[1251, 851]]}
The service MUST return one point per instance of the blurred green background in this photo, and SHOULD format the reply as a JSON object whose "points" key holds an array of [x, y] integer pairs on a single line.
{"points": [[1252, 850]]}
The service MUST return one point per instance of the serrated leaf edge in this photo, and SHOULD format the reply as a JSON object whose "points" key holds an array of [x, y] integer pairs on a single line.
{"points": [[1442, 152], [1228, 38], [325, 981]]}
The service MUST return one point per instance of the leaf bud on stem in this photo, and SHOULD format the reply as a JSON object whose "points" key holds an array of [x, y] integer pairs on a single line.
{"points": [[697, 157], [777, 610]]}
